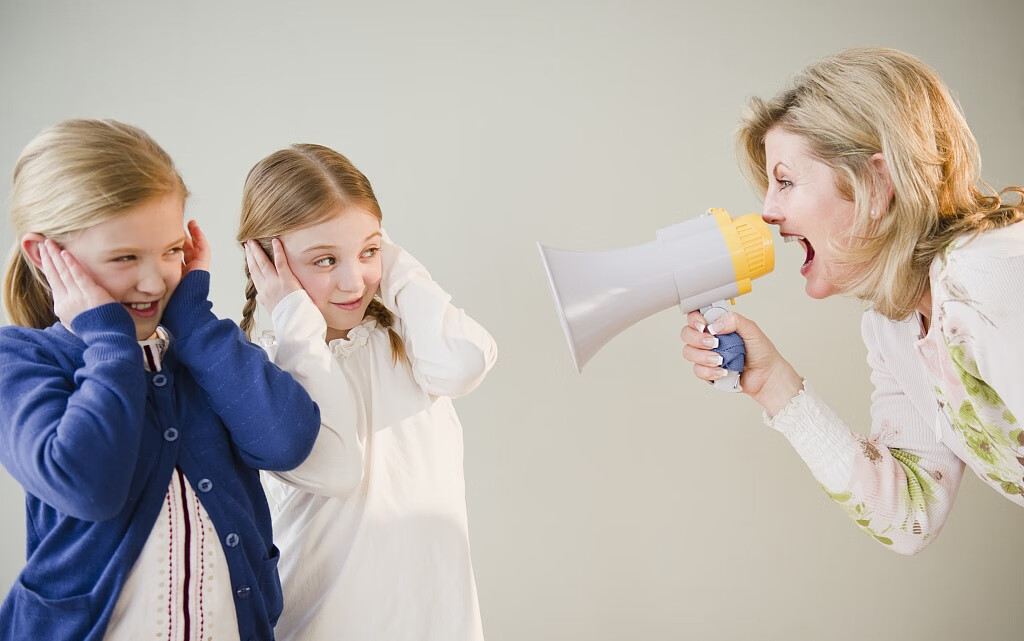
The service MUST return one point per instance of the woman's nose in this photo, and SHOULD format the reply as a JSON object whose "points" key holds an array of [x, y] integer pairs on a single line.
{"points": [[771, 214]]}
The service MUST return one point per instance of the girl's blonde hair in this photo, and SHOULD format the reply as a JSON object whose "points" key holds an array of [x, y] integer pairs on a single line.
{"points": [[74, 175], [295, 188], [860, 102]]}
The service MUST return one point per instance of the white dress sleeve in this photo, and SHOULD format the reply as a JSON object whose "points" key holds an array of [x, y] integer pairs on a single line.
{"points": [[449, 352], [335, 466], [899, 484]]}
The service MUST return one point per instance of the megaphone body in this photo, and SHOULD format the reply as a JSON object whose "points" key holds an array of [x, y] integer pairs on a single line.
{"points": [[698, 264]]}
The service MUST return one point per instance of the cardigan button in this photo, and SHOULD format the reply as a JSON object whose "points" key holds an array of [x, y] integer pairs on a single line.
{"points": [[243, 592], [159, 380], [231, 540], [205, 485], [170, 434]]}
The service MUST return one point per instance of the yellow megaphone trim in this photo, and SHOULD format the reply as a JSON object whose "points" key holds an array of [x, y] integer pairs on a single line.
{"points": [[749, 241]]}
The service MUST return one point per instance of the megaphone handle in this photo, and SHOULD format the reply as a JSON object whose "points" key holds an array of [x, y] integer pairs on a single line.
{"points": [[731, 381]]}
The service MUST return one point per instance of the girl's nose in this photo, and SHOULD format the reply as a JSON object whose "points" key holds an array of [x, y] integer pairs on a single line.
{"points": [[151, 281], [348, 280]]}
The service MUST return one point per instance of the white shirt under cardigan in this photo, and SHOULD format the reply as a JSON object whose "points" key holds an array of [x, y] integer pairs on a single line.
{"points": [[179, 589], [372, 527], [942, 399]]}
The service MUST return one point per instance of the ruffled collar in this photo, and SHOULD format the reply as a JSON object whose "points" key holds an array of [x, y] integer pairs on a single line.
{"points": [[358, 336]]}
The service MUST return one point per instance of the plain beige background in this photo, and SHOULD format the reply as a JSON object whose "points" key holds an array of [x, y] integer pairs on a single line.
{"points": [[632, 501]]}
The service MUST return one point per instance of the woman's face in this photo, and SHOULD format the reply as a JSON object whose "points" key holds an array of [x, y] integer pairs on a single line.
{"points": [[338, 263], [803, 200]]}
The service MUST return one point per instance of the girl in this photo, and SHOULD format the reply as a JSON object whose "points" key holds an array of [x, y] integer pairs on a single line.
{"points": [[869, 164], [373, 524], [124, 411]]}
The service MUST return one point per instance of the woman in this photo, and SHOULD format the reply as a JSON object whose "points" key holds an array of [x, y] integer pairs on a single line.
{"points": [[869, 164]]}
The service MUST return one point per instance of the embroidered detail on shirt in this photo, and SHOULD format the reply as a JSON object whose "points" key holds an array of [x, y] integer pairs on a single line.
{"points": [[871, 452]]}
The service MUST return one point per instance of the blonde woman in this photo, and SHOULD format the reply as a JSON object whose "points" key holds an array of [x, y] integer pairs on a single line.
{"points": [[122, 412], [868, 162], [372, 526]]}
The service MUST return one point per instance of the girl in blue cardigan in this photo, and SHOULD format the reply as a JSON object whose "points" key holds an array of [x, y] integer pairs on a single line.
{"points": [[135, 419]]}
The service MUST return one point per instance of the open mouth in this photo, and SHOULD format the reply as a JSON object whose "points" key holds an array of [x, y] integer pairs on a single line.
{"points": [[145, 310], [808, 249]]}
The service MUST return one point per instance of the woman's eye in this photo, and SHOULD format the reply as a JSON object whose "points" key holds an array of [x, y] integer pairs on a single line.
{"points": [[124, 259], [371, 252], [175, 250], [326, 261], [783, 183]]}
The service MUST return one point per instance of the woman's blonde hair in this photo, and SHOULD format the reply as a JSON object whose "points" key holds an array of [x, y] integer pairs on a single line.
{"points": [[295, 188], [861, 102], [74, 175]]}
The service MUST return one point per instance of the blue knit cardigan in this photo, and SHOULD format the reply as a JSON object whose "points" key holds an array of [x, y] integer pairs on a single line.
{"points": [[94, 439]]}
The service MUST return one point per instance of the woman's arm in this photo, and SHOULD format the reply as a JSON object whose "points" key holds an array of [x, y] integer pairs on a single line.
{"points": [[899, 484]]}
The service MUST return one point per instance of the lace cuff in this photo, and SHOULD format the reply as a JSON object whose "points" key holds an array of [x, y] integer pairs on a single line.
{"points": [[819, 436]]}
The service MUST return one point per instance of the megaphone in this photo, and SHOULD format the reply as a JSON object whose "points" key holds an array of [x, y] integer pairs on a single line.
{"points": [[698, 264]]}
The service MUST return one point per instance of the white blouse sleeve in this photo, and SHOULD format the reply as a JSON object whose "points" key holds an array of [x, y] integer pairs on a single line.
{"points": [[899, 484], [335, 466], [450, 353]]}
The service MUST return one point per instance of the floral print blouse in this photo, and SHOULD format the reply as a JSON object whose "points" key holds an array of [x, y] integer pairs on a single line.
{"points": [[944, 399]]}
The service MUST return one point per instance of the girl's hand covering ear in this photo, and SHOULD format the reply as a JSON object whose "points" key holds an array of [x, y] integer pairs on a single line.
{"points": [[273, 280], [196, 251], [74, 290]]}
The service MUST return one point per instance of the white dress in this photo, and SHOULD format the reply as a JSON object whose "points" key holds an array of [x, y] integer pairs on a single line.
{"points": [[372, 526]]}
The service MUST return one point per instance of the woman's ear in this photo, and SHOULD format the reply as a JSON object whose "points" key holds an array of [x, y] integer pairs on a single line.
{"points": [[884, 192], [31, 243]]}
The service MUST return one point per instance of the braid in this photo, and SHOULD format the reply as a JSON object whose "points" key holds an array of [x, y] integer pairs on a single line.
{"points": [[386, 320], [249, 309]]}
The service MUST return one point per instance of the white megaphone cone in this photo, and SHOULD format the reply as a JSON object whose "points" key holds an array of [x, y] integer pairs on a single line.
{"points": [[697, 264]]}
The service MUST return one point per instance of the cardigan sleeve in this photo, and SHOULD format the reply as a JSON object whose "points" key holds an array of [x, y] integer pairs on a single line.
{"points": [[272, 420], [450, 353], [71, 436], [335, 465], [899, 483]]}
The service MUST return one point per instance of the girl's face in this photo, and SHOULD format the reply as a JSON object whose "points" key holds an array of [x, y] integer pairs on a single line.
{"points": [[803, 200], [338, 263], [136, 257]]}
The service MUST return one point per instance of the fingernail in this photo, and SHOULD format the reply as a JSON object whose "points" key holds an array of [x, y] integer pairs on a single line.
{"points": [[699, 326], [714, 328], [721, 373], [711, 342], [715, 360]]}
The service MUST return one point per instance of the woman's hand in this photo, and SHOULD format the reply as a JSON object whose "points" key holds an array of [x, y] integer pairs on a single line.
{"points": [[74, 291], [273, 280], [768, 378], [196, 251]]}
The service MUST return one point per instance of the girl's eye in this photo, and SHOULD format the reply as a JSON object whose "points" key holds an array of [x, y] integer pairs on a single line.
{"points": [[371, 252], [124, 259], [174, 251], [326, 261]]}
